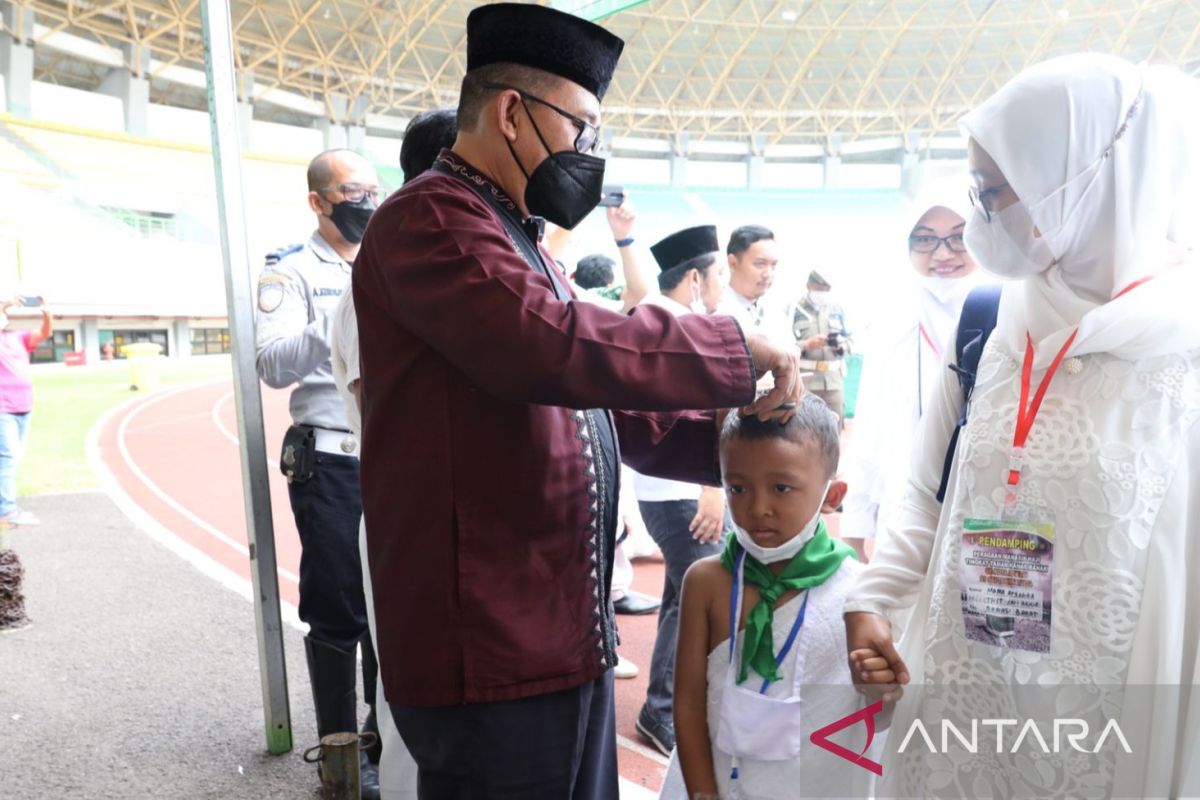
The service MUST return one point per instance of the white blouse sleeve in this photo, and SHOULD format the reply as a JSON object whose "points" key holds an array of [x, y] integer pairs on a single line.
{"points": [[864, 463], [892, 581]]}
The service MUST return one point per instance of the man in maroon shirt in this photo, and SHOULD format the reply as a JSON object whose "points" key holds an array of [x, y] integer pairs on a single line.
{"points": [[493, 408]]}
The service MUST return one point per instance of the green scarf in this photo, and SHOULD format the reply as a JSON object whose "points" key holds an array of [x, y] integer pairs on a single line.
{"points": [[812, 566]]}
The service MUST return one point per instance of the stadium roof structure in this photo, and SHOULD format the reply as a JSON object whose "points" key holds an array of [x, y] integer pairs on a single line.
{"points": [[758, 74]]}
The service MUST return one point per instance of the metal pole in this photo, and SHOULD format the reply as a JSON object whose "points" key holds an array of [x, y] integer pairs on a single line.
{"points": [[222, 113]]}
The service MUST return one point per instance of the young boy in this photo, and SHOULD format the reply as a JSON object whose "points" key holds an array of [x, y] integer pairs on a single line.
{"points": [[745, 711]]}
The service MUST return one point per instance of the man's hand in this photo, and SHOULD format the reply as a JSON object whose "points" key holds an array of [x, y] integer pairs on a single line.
{"points": [[817, 342], [874, 661], [621, 219], [784, 364], [710, 516]]}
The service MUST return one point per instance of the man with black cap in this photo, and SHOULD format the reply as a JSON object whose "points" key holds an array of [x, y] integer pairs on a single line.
{"points": [[819, 326], [685, 519], [490, 457]]}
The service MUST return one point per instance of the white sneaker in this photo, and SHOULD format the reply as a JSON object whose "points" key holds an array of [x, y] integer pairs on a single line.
{"points": [[625, 668]]}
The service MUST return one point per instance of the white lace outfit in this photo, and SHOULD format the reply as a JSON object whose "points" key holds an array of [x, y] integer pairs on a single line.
{"points": [[1113, 459]]}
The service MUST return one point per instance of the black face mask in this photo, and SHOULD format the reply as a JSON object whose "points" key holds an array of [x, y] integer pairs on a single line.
{"points": [[351, 218], [564, 188]]}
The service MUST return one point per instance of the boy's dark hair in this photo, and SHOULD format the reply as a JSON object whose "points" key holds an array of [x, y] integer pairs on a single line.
{"points": [[744, 238], [594, 272], [427, 133], [474, 93], [813, 422], [670, 279]]}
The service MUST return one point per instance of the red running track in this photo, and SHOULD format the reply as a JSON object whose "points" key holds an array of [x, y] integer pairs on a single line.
{"points": [[172, 461]]}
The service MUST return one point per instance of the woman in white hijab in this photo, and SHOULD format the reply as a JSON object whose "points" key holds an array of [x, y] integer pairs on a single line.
{"points": [[904, 361], [1084, 604]]}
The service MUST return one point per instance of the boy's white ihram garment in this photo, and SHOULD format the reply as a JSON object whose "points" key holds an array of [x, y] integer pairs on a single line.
{"points": [[1113, 458], [826, 696]]}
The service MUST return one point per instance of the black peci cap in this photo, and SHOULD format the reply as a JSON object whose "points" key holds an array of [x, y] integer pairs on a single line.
{"points": [[685, 245], [545, 39]]}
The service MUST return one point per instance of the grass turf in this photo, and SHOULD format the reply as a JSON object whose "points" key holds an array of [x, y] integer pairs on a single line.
{"points": [[68, 401]]}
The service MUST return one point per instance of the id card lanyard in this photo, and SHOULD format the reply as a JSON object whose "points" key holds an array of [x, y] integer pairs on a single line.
{"points": [[735, 612], [1027, 411]]}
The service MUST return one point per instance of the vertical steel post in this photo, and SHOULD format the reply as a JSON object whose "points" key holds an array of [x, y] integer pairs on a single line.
{"points": [[226, 145]]}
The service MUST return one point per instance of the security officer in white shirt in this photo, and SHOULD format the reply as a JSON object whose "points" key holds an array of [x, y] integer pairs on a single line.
{"points": [[298, 293]]}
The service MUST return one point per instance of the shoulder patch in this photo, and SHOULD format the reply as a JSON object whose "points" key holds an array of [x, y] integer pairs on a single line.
{"points": [[275, 256], [270, 295], [273, 277]]}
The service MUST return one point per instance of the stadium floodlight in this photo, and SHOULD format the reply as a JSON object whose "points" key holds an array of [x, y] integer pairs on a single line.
{"points": [[594, 9]]}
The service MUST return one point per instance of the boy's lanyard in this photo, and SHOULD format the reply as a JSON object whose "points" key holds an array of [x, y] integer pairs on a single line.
{"points": [[733, 623]]}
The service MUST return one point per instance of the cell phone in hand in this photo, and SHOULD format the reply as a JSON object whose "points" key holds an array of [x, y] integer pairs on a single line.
{"points": [[31, 300], [613, 197], [832, 339]]}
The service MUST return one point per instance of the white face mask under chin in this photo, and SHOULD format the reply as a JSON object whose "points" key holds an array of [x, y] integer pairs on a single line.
{"points": [[944, 290], [1008, 246], [788, 550]]}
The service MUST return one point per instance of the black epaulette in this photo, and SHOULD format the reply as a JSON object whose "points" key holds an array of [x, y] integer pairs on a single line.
{"points": [[275, 256]]}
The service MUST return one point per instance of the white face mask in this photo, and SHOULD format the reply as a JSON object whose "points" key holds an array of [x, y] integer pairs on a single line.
{"points": [[818, 298], [944, 290], [1008, 246], [788, 550]]}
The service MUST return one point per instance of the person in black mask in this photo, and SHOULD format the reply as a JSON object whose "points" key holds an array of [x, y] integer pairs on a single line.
{"points": [[492, 408], [298, 292]]}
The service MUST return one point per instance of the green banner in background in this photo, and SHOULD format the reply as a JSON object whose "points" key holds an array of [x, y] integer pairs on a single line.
{"points": [[594, 9]]}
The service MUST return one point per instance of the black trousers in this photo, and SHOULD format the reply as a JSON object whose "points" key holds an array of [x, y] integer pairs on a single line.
{"points": [[559, 746], [327, 508]]}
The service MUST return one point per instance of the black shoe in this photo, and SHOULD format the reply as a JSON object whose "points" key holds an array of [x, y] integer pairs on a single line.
{"points": [[636, 603], [660, 734]]}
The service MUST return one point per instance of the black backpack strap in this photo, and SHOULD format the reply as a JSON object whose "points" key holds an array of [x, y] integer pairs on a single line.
{"points": [[974, 327]]}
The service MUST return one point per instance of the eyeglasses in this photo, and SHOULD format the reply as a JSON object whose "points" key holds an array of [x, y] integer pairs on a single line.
{"points": [[355, 192], [983, 199], [589, 134], [921, 243]]}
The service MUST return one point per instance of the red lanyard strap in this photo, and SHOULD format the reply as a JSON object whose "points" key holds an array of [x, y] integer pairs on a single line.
{"points": [[937, 351], [1027, 412]]}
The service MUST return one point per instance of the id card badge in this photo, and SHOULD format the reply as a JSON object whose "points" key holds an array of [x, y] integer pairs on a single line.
{"points": [[1006, 571]]}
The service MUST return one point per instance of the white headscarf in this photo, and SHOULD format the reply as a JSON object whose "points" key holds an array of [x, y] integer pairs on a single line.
{"points": [[1104, 155], [940, 300]]}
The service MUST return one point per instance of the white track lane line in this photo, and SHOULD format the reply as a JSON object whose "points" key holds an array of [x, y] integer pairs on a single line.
{"points": [[201, 561], [642, 750], [178, 507], [216, 418]]}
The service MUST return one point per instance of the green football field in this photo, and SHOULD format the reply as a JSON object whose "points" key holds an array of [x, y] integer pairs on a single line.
{"points": [[67, 403]]}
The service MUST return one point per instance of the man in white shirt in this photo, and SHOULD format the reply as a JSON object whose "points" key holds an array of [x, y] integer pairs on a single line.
{"points": [[685, 520], [753, 258], [425, 136]]}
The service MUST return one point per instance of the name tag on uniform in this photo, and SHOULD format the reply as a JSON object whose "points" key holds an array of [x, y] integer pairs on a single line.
{"points": [[1006, 571], [327, 291]]}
